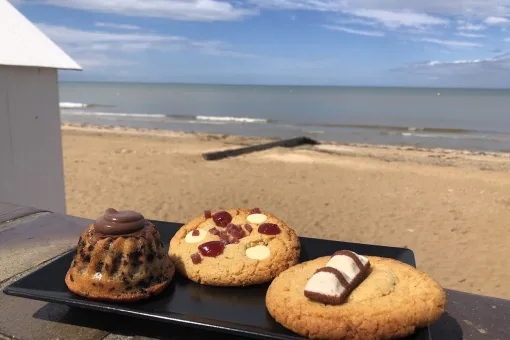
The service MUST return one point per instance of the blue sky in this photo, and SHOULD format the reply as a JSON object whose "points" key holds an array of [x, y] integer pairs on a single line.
{"points": [[325, 42]]}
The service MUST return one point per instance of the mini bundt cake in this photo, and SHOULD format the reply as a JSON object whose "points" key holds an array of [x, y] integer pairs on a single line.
{"points": [[120, 257]]}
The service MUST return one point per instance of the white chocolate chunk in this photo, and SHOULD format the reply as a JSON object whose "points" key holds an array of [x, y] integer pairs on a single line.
{"points": [[256, 218], [259, 252], [97, 276], [325, 283], [194, 239]]}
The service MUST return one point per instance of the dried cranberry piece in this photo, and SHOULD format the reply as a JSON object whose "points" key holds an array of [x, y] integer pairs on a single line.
{"points": [[195, 232], [214, 231], [211, 248], [269, 229], [236, 231], [196, 258], [255, 211], [207, 214], [224, 236], [230, 226], [248, 227], [234, 240], [222, 218]]}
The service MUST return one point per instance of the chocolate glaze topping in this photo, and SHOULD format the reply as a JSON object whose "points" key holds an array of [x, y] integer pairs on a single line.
{"points": [[115, 222]]}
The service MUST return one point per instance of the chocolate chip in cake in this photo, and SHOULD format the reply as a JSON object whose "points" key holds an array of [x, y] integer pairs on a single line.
{"points": [[108, 243], [91, 248], [125, 280], [135, 257], [71, 277], [86, 258], [143, 284], [74, 263], [116, 264], [99, 266], [125, 262], [82, 252], [150, 257], [111, 289], [106, 267]]}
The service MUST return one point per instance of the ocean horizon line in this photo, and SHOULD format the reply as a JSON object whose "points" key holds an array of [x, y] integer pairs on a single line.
{"points": [[279, 85]]}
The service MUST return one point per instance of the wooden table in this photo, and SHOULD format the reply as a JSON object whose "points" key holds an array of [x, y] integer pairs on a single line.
{"points": [[29, 237]]}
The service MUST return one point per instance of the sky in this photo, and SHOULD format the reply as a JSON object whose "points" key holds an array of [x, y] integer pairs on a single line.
{"points": [[438, 43]]}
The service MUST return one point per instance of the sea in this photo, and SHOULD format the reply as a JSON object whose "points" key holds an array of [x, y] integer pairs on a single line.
{"points": [[470, 119]]}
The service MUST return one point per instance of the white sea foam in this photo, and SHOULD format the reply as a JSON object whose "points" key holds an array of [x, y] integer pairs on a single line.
{"points": [[232, 119], [113, 114], [70, 105], [450, 136]]}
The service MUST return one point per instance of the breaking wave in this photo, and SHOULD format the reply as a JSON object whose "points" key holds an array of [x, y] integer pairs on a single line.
{"points": [[80, 109]]}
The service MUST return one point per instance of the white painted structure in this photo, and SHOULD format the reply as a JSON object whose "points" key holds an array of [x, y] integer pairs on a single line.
{"points": [[31, 168]]}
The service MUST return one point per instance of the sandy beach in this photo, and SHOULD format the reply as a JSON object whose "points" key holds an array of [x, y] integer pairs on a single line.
{"points": [[450, 207]]}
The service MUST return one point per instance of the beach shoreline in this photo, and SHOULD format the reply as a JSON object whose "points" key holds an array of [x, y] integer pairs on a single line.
{"points": [[485, 160], [450, 207]]}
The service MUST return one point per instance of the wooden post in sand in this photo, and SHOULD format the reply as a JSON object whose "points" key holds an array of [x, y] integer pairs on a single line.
{"points": [[286, 143], [31, 169]]}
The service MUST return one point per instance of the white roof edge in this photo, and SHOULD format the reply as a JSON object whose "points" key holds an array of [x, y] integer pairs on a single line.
{"points": [[23, 44]]}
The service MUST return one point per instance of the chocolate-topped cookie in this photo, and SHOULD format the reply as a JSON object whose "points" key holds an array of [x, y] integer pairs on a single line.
{"points": [[353, 297], [234, 247]]}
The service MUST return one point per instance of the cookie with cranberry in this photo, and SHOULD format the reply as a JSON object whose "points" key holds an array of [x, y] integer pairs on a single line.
{"points": [[234, 247]]}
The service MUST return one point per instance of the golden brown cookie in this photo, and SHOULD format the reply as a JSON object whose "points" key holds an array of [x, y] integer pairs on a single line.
{"points": [[235, 247], [390, 303]]}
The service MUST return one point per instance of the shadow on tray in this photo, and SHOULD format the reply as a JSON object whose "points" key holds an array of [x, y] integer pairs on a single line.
{"points": [[122, 325], [446, 328]]}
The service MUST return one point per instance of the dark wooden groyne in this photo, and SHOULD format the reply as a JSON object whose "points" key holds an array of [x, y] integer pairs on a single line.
{"points": [[286, 143]]}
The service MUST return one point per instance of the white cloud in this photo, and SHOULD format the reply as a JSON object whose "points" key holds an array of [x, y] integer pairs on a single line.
{"points": [[471, 35], [74, 36], [117, 26], [496, 21], [456, 8], [451, 43], [354, 31], [486, 71], [356, 21], [99, 48], [470, 27], [197, 10], [396, 19]]}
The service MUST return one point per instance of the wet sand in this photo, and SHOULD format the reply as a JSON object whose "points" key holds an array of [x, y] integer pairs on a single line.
{"points": [[452, 208]]}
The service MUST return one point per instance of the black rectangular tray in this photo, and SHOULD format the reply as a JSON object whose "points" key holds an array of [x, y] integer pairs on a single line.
{"points": [[238, 311]]}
